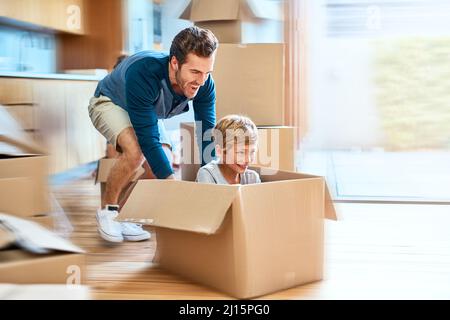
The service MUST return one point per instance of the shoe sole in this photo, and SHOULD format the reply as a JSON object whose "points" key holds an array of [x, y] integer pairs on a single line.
{"points": [[141, 237], [109, 237]]}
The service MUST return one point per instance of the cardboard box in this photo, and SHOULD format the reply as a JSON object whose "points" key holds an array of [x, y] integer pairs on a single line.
{"points": [[21, 267], [276, 148], [245, 240], [23, 171], [238, 21], [257, 88], [64, 263]]}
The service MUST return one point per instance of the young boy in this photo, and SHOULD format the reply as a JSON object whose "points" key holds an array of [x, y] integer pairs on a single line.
{"points": [[236, 141]]}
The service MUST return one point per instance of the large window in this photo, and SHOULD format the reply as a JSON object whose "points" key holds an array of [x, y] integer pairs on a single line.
{"points": [[379, 98]]}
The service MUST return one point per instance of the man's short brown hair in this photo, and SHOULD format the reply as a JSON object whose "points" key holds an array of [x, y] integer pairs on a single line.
{"points": [[201, 42]]}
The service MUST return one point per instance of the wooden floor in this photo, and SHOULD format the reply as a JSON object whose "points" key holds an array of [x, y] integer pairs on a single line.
{"points": [[374, 252]]}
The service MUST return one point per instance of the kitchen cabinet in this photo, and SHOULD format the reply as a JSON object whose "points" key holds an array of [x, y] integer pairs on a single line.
{"points": [[82, 137], [55, 112], [49, 99], [58, 15], [16, 91]]}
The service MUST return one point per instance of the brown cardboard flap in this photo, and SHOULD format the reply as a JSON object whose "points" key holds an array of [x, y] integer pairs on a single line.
{"points": [[209, 10], [180, 205], [271, 175], [104, 167], [213, 10], [186, 13]]}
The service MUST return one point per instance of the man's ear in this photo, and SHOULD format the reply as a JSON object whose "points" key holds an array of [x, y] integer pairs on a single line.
{"points": [[174, 63]]}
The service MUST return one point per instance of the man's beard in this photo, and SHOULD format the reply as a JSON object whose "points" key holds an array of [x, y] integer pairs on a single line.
{"points": [[179, 81]]}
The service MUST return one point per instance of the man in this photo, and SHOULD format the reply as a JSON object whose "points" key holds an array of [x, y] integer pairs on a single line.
{"points": [[128, 104]]}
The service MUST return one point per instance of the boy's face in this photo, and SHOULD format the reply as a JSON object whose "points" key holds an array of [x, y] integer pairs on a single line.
{"points": [[192, 74], [239, 157]]}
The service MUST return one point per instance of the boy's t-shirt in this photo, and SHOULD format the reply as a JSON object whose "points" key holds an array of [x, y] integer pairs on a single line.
{"points": [[210, 173]]}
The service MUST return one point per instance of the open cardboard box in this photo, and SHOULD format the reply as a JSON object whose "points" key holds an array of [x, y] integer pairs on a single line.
{"points": [[238, 21], [245, 240], [63, 263], [23, 171]]}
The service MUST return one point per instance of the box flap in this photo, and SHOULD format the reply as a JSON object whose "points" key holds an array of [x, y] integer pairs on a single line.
{"points": [[104, 167], [269, 175], [13, 140], [213, 10], [32, 237], [210, 10], [180, 205], [186, 13]]}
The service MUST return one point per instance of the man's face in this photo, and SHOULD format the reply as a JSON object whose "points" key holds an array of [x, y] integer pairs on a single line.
{"points": [[192, 74]]}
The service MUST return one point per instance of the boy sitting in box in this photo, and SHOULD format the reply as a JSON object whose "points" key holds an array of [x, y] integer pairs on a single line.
{"points": [[236, 141]]}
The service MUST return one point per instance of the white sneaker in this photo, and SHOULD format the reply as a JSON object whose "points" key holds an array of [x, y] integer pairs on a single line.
{"points": [[134, 232], [109, 229]]}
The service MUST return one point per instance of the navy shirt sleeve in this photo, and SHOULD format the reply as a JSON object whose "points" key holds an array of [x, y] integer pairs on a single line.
{"points": [[205, 111], [141, 92]]}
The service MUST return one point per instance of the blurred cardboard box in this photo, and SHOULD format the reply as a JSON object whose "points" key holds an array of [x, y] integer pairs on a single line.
{"points": [[23, 171], [31, 254], [238, 21], [250, 80], [245, 240], [276, 148]]}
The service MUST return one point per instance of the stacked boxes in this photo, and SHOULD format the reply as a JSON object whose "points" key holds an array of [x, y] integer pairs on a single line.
{"points": [[24, 205], [23, 174], [249, 69]]}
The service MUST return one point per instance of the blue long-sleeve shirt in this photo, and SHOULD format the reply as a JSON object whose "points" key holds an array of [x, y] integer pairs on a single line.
{"points": [[140, 84]]}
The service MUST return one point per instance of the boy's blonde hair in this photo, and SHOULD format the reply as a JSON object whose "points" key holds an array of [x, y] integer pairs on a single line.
{"points": [[235, 128]]}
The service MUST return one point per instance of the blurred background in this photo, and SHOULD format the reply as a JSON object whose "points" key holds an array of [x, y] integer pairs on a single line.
{"points": [[379, 113]]}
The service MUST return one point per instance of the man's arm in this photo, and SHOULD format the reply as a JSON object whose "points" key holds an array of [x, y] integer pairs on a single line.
{"points": [[205, 111], [141, 93]]}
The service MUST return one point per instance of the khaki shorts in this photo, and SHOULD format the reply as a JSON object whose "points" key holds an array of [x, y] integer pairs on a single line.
{"points": [[110, 120]]}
